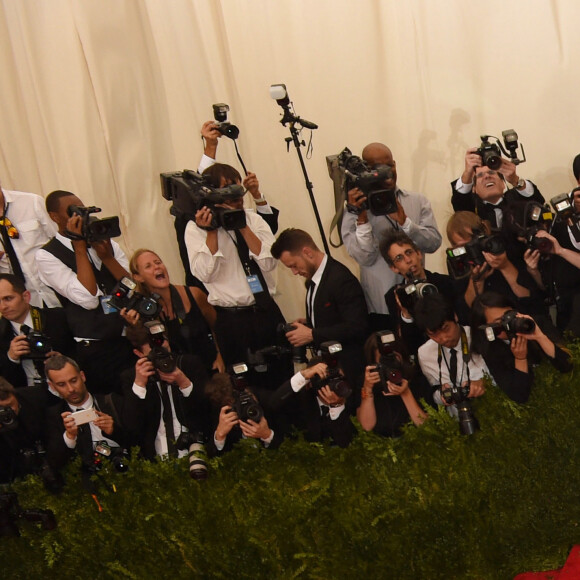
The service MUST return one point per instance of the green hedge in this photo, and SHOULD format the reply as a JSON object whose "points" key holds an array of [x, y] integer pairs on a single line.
{"points": [[433, 504]]}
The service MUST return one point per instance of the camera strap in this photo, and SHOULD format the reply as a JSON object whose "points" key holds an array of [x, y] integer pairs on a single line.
{"points": [[36, 319], [465, 355]]}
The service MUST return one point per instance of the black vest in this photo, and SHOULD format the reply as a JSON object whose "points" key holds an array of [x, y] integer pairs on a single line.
{"points": [[82, 322]]}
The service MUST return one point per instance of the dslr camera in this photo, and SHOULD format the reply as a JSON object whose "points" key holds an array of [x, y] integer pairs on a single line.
{"points": [[118, 457], [163, 360], [411, 292], [330, 353], [563, 205], [512, 324], [220, 114], [389, 366], [8, 419], [11, 513], [490, 152], [459, 396], [298, 352], [379, 200], [461, 260], [189, 191], [38, 343], [124, 295], [194, 445], [93, 229], [526, 219], [245, 405]]}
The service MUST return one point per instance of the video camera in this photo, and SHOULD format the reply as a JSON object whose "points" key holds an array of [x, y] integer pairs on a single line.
{"points": [[511, 323], [411, 292], [462, 259], [389, 366], [490, 153], [330, 352], [220, 114], [245, 405], [380, 201], [563, 205], [189, 191], [11, 513], [163, 360], [124, 295], [93, 229]]}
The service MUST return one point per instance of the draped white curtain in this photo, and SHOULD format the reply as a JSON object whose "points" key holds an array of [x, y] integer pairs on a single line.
{"points": [[100, 96]]}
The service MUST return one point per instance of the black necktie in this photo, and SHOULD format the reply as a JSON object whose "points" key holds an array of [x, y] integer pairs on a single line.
{"points": [[10, 252], [311, 287], [453, 367], [168, 420], [325, 411], [85, 441]]}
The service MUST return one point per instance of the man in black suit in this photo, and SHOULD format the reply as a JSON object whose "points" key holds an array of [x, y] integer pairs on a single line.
{"points": [[335, 304], [17, 364], [64, 436], [159, 405]]}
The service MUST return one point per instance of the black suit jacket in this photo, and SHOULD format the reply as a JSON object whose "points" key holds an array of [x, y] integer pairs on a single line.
{"points": [[57, 452], [142, 417], [54, 326], [340, 313]]}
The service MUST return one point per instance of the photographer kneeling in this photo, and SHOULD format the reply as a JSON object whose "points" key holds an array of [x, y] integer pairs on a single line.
{"points": [[391, 388], [511, 343]]}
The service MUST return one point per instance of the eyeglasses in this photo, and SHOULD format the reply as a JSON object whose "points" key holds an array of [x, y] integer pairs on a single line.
{"points": [[407, 253], [10, 228]]}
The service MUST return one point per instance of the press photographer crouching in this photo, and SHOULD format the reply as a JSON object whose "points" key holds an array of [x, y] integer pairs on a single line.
{"points": [[391, 388], [511, 344], [237, 413], [164, 395], [22, 434], [320, 393]]}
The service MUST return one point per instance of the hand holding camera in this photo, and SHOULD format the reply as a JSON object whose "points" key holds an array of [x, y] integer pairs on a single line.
{"points": [[255, 430], [144, 369], [19, 347], [300, 336], [227, 421]]}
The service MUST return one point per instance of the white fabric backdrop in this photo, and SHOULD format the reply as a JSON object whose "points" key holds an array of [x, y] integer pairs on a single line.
{"points": [[99, 97]]}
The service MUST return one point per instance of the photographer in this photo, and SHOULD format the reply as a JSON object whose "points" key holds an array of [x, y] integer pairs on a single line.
{"points": [[362, 233], [227, 427], [446, 359], [238, 271], [84, 274], [161, 404], [485, 191], [28, 334], [388, 405], [511, 353]]}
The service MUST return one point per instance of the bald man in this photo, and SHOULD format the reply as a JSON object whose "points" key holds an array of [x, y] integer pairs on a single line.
{"points": [[362, 234]]}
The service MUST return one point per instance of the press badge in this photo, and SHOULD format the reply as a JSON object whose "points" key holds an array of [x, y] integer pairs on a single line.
{"points": [[107, 308], [254, 283]]}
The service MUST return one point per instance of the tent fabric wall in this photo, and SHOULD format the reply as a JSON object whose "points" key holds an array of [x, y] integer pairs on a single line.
{"points": [[100, 97]]}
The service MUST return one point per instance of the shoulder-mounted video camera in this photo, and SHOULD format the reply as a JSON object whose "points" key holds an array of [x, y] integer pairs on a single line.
{"points": [[245, 404], [409, 294], [189, 191], [124, 295], [380, 200], [511, 323], [330, 352], [220, 114], [461, 260], [490, 152], [93, 229]]}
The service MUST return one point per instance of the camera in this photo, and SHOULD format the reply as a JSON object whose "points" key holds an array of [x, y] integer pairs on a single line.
{"points": [[38, 343], [163, 360], [512, 324], [459, 396], [118, 457], [220, 114], [380, 201], [330, 351], [563, 205], [490, 153], [389, 366], [8, 419], [124, 295], [93, 229], [245, 405], [189, 191], [194, 444], [526, 219], [462, 259], [410, 293], [298, 352], [11, 512]]}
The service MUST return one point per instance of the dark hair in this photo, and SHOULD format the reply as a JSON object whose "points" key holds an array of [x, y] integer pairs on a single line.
{"points": [[489, 299], [6, 389], [137, 335], [57, 363], [215, 172], [17, 284], [292, 240], [433, 311], [394, 237], [576, 167], [52, 201], [219, 390]]}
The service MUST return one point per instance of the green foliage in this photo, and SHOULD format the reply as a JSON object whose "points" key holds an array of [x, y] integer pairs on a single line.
{"points": [[433, 504]]}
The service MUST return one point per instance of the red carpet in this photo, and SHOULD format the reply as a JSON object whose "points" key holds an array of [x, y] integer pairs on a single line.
{"points": [[570, 571]]}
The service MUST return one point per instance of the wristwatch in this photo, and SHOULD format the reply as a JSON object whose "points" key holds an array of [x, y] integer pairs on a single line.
{"points": [[521, 183]]}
